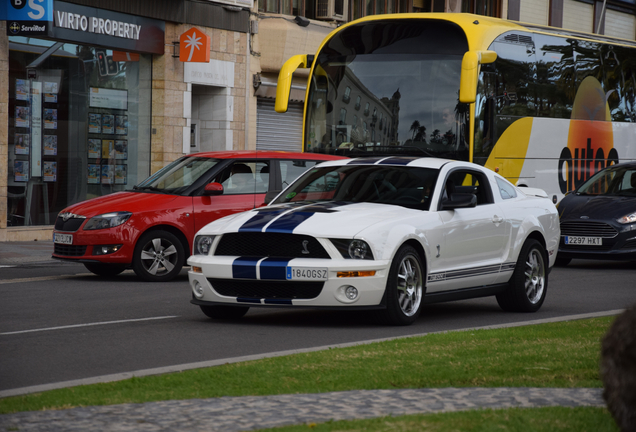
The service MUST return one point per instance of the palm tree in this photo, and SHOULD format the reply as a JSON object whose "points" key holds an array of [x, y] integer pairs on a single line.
{"points": [[415, 126]]}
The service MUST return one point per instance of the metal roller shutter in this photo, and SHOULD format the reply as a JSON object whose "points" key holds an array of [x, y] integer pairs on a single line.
{"points": [[276, 131]]}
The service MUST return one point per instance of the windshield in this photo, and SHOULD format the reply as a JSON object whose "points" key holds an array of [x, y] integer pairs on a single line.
{"points": [[399, 185], [389, 86], [614, 181], [178, 176]]}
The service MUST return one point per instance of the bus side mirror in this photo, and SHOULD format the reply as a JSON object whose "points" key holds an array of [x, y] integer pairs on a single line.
{"points": [[283, 88], [470, 73]]}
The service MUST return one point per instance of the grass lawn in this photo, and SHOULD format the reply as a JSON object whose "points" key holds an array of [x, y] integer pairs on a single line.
{"points": [[562, 354]]}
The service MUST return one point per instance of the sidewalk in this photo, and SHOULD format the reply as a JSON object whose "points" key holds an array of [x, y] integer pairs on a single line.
{"points": [[233, 414], [12, 253]]}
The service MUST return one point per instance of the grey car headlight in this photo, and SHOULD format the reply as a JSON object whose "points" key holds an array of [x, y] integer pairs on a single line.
{"points": [[203, 244], [353, 249], [107, 220], [627, 219]]}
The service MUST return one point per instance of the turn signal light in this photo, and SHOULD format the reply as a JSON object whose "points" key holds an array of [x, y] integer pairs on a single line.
{"points": [[196, 269], [356, 273]]}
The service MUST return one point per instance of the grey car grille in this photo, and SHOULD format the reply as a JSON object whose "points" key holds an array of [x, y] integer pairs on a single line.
{"points": [[588, 229]]}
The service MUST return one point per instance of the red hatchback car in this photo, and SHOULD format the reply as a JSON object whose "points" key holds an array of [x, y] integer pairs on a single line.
{"points": [[151, 227]]}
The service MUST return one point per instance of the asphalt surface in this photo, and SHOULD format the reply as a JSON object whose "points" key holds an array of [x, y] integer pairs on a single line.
{"points": [[251, 413]]}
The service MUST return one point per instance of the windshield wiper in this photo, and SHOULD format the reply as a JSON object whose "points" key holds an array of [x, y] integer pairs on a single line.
{"points": [[151, 188]]}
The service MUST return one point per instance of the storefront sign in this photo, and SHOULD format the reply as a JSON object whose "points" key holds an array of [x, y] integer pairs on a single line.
{"points": [[194, 46], [93, 26], [27, 17], [215, 73]]}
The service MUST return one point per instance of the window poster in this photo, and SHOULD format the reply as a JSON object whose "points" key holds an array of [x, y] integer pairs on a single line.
{"points": [[108, 147], [50, 171], [50, 118], [50, 145], [121, 149], [22, 144], [120, 174], [22, 116], [121, 125], [22, 89], [50, 87], [94, 172], [21, 171], [94, 123], [108, 174], [94, 148], [50, 97], [108, 124]]}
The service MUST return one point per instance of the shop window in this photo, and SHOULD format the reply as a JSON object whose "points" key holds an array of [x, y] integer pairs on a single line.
{"points": [[79, 126], [490, 8]]}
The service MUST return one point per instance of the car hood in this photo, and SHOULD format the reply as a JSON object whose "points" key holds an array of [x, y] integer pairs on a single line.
{"points": [[120, 201], [596, 207], [337, 220]]}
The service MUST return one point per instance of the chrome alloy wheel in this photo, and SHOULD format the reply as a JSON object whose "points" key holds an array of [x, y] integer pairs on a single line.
{"points": [[409, 285], [159, 256], [535, 276]]}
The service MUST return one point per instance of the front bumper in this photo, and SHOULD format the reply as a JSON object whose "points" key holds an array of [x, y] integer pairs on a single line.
{"points": [[280, 292], [85, 243]]}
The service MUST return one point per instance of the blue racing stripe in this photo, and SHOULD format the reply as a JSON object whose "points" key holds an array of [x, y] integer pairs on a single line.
{"points": [[274, 269], [260, 219], [398, 160], [288, 222], [244, 268]]}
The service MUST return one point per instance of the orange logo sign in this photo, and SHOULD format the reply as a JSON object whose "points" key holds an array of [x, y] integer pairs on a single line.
{"points": [[194, 46]]}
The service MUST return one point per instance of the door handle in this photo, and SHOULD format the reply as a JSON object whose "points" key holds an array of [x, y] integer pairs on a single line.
{"points": [[497, 220]]}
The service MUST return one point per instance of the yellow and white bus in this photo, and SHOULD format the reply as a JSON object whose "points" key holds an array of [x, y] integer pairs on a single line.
{"points": [[544, 107]]}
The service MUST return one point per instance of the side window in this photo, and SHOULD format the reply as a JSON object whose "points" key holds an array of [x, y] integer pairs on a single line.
{"points": [[506, 190], [290, 170], [465, 181], [245, 177]]}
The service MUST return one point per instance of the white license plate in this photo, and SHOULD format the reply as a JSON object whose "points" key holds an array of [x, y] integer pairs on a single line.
{"points": [[62, 238], [583, 241], [311, 274]]}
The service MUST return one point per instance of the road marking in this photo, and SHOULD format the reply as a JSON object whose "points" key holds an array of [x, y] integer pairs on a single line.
{"points": [[44, 278], [87, 325], [218, 362]]}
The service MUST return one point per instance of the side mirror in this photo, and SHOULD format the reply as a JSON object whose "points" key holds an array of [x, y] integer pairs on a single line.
{"points": [[283, 87], [459, 200], [470, 73], [270, 195], [213, 188]]}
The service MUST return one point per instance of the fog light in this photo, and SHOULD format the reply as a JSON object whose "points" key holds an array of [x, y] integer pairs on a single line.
{"points": [[351, 293], [105, 249], [347, 294], [197, 289]]}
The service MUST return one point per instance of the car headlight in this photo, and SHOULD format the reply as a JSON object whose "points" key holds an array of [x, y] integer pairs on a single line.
{"points": [[203, 244], [107, 220], [354, 249], [627, 219]]}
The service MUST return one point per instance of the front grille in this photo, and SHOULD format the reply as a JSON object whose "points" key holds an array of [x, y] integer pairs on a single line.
{"points": [[266, 289], [71, 225], [271, 245], [69, 250], [588, 229]]}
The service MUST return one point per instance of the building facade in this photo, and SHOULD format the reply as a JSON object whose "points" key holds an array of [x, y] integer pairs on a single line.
{"points": [[98, 99]]}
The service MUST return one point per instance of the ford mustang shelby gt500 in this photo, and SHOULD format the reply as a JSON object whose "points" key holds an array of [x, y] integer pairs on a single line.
{"points": [[388, 234]]}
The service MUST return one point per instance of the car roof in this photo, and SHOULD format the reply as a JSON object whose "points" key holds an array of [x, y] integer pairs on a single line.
{"points": [[423, 162], [265, 154]]}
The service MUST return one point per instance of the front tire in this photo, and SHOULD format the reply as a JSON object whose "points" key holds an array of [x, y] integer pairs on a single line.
{"points": [[101, 269], [224, 312], [159, 256], [404, 288], [528, 285]]}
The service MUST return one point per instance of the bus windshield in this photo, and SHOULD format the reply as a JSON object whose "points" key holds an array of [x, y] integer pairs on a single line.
{"points": [[389, 86]]}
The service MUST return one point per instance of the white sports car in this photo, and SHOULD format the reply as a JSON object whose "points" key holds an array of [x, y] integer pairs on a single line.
{"points": [[388, 234]]}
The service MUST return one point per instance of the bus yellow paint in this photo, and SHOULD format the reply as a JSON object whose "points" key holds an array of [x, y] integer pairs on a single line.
{"points": [[510, 151]]}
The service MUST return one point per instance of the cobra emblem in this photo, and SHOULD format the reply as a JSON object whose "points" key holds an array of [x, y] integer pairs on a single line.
{"points": [[305, 251]]}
